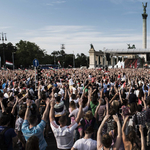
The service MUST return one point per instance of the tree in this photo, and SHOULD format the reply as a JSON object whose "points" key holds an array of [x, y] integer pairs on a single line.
{"points": [[27, 52], [8, 49], [81, 60]]}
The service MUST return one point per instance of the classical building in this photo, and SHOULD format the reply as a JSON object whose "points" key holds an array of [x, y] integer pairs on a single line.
{"points": [[110, 56]]}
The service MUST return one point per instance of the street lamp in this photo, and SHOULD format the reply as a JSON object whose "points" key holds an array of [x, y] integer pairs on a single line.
{"points": [[3, 38], [73, 60], [13, 59], [63, 58], [104, 55]]}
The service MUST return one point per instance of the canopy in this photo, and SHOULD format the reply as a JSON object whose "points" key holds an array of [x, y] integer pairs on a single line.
{"points": [[119, 65]]}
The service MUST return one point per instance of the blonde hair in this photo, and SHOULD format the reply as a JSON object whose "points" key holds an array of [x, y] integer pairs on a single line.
{"points": [[88, 115]]}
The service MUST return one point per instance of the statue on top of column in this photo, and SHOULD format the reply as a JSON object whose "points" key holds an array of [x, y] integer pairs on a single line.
{"points": [[92, 47], [144, 7]]}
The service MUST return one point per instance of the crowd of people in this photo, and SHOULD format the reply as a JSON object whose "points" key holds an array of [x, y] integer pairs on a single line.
{"points": [[86, 109]]}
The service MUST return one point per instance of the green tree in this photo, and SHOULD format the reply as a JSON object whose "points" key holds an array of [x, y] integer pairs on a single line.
{"points": [[81, 60], [26, 52], [7, 49]]}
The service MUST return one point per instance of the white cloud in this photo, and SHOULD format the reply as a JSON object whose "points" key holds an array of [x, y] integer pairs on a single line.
{"points": [[79, 38], [55, 2], [5, 27]]}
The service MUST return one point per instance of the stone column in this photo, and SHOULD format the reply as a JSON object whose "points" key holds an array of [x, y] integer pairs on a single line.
{"points": [[92, 58], [117, 60], [112, 60], [123, 58], [144, 15], [101, 60]]}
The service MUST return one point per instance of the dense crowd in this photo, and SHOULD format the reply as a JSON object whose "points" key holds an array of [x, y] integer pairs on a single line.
{"points": [[86, 109]]}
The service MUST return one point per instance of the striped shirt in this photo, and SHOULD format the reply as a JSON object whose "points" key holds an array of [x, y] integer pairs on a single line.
{"points": [[36, 131]]}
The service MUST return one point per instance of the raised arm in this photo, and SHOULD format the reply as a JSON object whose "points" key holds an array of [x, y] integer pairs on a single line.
{"points": [[2, 106], [89, 97], [52, 113], [97, 108], [39, 92], [66, 91], [14, 107], [80, 112], [129, 93], [28, 102], [123, 128], [23, 97], [99, 137], [107, 106], [45, 114], [142, 137], [120, 97], [118, 140], [113, 98]]}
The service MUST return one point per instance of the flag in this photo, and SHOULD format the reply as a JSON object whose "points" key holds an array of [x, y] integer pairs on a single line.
{"points": [[51, 68], [9, 63], [70, 66], [123, 85], [59, 64]]}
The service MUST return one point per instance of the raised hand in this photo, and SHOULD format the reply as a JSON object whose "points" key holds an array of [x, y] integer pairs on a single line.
{"points": [[28, 102], [115, 117]]}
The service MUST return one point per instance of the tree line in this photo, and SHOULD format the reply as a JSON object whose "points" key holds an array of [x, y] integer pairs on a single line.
{"points": [[25, 52]]}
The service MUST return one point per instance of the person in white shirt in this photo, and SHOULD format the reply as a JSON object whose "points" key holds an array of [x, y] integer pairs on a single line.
{"points": [[86, 143], [70, 83], [62, 132]]}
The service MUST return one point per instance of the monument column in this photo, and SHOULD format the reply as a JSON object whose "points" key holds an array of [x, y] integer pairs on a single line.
{"points": [[117, 60], [92, 57], [101, 60], [144, 15], [112, 60]]}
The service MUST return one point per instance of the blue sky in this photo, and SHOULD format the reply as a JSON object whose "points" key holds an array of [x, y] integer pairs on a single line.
{"points": [[75, 23]]}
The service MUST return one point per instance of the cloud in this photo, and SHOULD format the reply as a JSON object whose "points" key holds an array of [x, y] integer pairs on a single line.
{"points": [[79, 38], [56, 2], [131, 12], [5, 27]]}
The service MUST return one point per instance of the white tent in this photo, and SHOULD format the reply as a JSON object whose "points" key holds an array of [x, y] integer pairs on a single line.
{"points": [[119, 65], [122, 64]]}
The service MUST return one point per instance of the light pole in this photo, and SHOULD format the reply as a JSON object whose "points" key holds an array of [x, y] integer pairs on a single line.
{"points": [[104, 56], [73, 60], [63, 56], [3, 38], [13, 59]]}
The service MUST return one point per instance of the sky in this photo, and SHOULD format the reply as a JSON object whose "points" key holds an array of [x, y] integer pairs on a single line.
{"points": [[107, 24]]}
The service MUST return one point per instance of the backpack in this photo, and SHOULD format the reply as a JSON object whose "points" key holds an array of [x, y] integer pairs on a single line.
{"points": [[3, 145], [87, 124]]}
